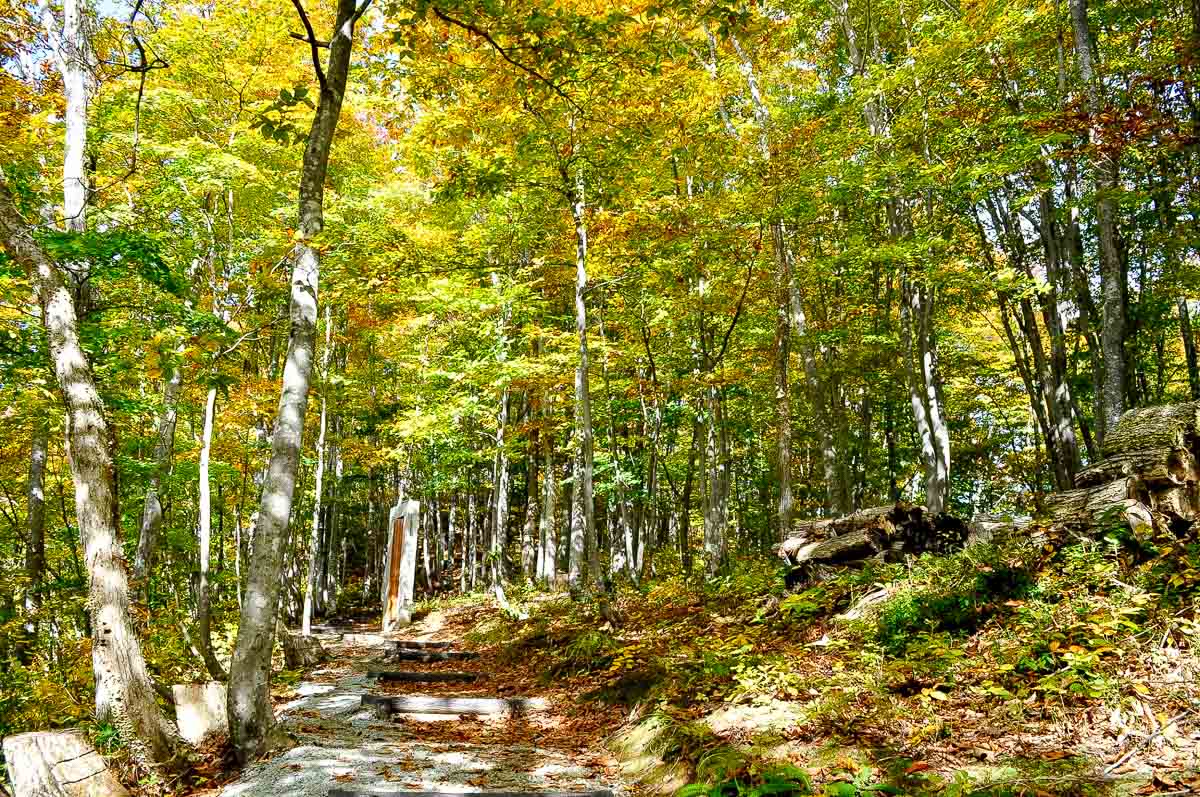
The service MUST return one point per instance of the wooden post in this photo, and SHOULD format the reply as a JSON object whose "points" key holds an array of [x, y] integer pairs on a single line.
{"points": [[400, 568]]}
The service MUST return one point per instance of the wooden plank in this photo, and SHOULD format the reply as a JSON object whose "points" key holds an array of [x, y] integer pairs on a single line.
{"points": [[424, 704], [581, 793], [421, 644], [418, 677], [405, 654]]}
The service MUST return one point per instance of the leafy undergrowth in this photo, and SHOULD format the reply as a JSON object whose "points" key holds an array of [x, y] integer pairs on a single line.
{"points": [[1028, 667]]}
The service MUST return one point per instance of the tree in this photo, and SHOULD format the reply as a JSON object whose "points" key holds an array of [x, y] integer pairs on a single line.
{"points": [[250, 715]]}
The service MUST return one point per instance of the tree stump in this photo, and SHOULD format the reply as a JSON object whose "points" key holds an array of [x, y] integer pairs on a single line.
{"points": [[58, 764], [300, 652], [200, 710]]}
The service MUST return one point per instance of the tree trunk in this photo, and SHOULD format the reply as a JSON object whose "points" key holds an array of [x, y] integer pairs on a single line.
{"points": [[583, 520], [124, 693], [919, 350], [164, 449], [35, 541], [529, 531], [1189, 349], [203, 614], [250, 715], [716, 499], [1112, 268], [548, 533], [314, 543]]}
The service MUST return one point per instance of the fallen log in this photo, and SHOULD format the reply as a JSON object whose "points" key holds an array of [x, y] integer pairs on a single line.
{"points": [[385, 705], [421, 677], [420, 644], [1147, 428], [58, 764], [1093, 510], [1155, 466], [887, 532], [985, 528]]}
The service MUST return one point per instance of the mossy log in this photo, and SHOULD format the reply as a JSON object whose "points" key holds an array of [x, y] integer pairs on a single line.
{"points": [[1155, 466], [1168, 426]]}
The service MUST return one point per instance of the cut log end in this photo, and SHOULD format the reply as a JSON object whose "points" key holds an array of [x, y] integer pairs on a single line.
{"points": [[61, 763]]}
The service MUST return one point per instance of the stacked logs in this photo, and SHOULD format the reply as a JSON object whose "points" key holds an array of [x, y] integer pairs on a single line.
{"points": [[883, 532], [1149, 476]]}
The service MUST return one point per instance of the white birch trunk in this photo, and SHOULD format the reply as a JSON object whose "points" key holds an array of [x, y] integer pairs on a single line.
{"points": [[583, 520], [314, 543], [203, 601]]}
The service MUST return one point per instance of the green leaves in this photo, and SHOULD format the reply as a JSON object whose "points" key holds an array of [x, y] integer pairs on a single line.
{"points": [[113, 253]]}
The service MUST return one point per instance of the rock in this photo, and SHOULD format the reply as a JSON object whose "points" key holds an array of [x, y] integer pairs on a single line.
{"points": [[200, 710], [58, 764]]}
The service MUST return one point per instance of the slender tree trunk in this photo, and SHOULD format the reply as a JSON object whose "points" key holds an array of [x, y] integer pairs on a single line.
{"points": [[164, 450], [314, 543], [583, 520], [124, 692], [716, 500], [203, 602], [35, 540], [548, 547], [920, 366], [1106, 174], [249, 704], [529, 531], [471, 530], [1189, 351]]}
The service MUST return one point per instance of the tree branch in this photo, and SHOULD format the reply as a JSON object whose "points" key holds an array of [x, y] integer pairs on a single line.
{"points": [[313, 44], [467, 26]]}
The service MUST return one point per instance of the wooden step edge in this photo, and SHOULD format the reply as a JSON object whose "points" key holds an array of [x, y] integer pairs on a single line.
{"points": [[429, 704], [420, 644], [412, 654], [406, 675], [581, 793]]}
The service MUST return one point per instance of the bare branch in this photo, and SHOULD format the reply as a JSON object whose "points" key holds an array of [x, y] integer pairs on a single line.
{"points": [[467, 26], [313, 44], [300, 37]]}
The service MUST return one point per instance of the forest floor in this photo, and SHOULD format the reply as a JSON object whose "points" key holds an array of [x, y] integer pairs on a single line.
{"points": [[1055, 668], [1051, 668], [330, 741]]}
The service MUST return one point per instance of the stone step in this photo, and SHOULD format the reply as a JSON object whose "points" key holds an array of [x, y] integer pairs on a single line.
{"points": [[419, 677], [385, 705]]}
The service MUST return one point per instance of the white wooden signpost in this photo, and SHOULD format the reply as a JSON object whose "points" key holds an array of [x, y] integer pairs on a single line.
{"points": [[400, 565]]}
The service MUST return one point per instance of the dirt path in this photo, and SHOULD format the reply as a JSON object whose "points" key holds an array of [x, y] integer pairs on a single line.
{"points": [[339, 744]]}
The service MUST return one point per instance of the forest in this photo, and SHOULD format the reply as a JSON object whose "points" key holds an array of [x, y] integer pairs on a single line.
{"points": [[801, 394]]}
